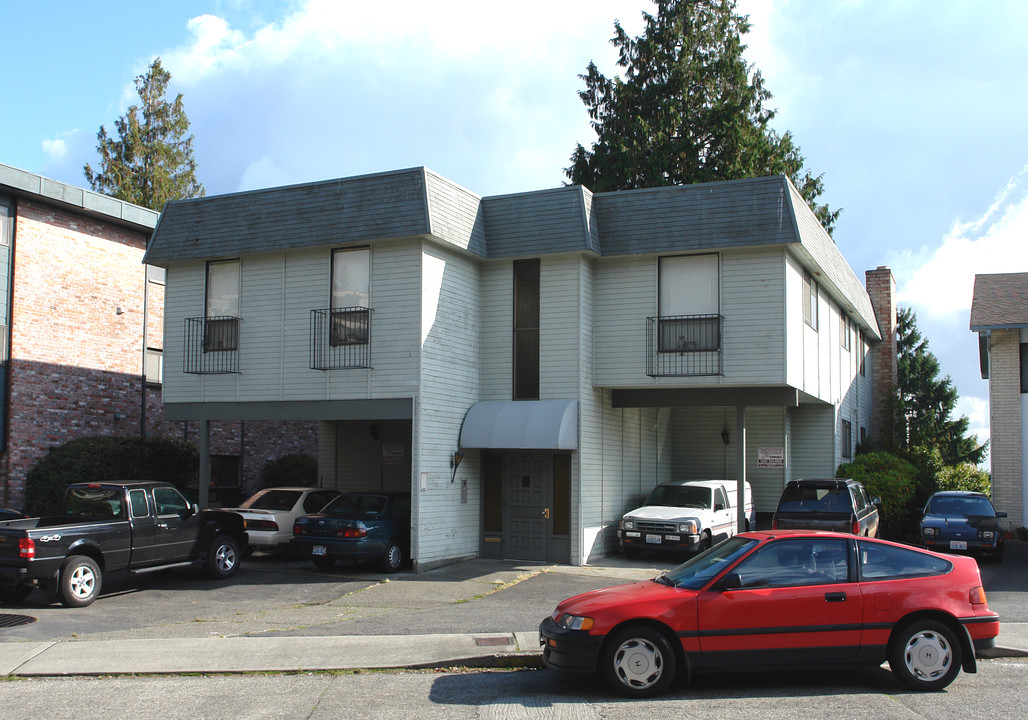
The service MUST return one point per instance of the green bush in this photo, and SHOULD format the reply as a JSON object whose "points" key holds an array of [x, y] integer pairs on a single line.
{"points": [[964, 476], [103, 459], [891, 478], [296, 469]]}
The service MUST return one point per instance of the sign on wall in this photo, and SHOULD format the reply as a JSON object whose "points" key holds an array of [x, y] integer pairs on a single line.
{"points": [[770, 457]]}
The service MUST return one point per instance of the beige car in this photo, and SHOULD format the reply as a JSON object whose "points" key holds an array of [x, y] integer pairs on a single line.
{"points": [[269, 513]]}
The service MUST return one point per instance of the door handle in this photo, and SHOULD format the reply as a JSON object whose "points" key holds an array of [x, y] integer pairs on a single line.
{"points": [[835, 597], [546, 513], [162, 526]]}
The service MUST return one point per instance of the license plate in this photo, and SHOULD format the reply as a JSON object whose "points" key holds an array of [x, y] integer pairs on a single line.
{"points": [[318, 550], [958, 544], [656, 539]]}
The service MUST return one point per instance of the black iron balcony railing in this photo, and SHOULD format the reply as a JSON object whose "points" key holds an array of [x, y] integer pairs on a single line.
{"points": [[683, 345], [340, 338], [212, 345]]}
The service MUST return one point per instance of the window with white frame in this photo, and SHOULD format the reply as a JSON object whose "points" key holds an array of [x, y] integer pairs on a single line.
{"points": [[809, 300], [351, 297], [847, 439], [844, 330], [689, 303], [221, 327]]}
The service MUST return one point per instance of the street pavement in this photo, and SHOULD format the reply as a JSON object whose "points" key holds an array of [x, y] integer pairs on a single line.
{"points": [[492, 607]]}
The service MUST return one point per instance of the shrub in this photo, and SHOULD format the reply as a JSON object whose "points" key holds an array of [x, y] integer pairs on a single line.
{"points": [[104, 459], [965, 476], [295, 469], [891, 478]]}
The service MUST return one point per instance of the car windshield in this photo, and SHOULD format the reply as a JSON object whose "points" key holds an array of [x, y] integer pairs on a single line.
{"points": [[357, 505], [272, 500], [697, 571], [960, 506], [679, 496], [809, 498]]}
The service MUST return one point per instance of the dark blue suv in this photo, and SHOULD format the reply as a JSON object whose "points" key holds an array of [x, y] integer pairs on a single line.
{"points": [[356, 526]]}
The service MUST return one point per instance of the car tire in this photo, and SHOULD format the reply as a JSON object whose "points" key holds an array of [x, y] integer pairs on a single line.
{"points": [[79, 581], [223, 557], [15, 593], [392, 558], [638, 662], [323, 562], [925, 655], [705, 542]]}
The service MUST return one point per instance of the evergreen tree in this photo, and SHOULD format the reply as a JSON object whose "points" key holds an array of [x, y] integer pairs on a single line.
{"points": [[925, 402], [689, 109], [151, 161]]}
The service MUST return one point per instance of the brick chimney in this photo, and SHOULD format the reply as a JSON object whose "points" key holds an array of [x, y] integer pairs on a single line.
{"points": [[881, 287]]}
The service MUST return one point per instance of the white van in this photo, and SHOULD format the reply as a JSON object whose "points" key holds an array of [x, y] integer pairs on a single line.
{"points": [[688, 515]]}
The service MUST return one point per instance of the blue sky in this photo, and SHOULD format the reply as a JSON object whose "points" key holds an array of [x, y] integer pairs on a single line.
{"points": [[913, 109]]}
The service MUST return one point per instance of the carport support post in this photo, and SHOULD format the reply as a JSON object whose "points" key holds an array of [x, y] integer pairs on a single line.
{"points": [[204, 496], [740, 462]]}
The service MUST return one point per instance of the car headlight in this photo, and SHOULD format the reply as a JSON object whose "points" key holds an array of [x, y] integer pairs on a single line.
{"points": [[930, 532], [628, 524], [572, 622], [690, 527], [988, 534]]}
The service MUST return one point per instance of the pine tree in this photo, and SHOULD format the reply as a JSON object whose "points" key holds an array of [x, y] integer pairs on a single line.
{"points": [[151, 161], [688, 110], [925, 402]]}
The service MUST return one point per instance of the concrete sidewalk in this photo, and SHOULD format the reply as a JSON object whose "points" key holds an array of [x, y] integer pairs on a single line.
{"points": [[310, 654]]}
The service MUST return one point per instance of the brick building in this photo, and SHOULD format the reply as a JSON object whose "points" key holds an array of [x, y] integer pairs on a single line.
{"points": [[74, 299], [999, 314]]}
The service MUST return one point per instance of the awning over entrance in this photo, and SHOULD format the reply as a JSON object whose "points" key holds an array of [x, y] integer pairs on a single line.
{"points": [[521, 425]]}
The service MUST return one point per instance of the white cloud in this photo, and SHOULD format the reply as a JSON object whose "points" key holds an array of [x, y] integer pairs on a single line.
{"points": [[939, 281], [58, 148]]}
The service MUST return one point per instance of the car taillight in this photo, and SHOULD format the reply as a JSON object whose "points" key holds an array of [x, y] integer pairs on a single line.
{"points": [[977, 596], [299, 529], [261, 525], [774, 524], [856, 527], [352, 532], [26, 548]]}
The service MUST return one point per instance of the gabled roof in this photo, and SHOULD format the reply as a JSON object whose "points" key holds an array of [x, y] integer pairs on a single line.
{"points": [[22, 183], [1000, 301]]}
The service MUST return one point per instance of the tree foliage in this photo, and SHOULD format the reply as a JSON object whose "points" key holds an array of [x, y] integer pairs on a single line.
{"points": [[103, 459], [151, 161], [965, 476], [689, 109], [890, 478], [293, 469], [925, 401]]}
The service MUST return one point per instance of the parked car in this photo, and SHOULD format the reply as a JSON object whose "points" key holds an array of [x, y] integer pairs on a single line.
{"points": [[686, 515], [959, 521], [774, 599], [10, 514], [837, 505], [137, 526], [269, 514], [357, 526]]}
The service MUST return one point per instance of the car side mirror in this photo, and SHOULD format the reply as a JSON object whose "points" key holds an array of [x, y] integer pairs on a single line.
{"points": [[876, 500], [730, 581], [1001, 514], [718, 506], [190, 511]]}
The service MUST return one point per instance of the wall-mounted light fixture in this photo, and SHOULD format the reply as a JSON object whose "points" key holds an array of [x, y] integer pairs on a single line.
{"points": [[455, 463], [724, 436]]}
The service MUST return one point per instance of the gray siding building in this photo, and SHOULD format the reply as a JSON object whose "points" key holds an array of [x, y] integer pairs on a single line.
{"points": [[528, 365]]}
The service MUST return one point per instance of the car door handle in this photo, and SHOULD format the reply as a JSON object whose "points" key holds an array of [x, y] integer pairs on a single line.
{"points": [[835, 597], [162, 526]]}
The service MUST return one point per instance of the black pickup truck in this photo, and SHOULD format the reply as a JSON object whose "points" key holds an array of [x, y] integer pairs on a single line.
{"points": [[136, 526]]}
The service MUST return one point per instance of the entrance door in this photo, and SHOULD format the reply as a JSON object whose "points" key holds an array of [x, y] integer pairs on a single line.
{"points": [[527, 481]]}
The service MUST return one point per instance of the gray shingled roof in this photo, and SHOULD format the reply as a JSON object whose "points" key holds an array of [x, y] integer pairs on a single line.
{"points": [[22, 183], [999, 301], [417, 202]]}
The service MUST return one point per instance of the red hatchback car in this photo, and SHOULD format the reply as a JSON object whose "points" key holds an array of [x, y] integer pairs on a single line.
{"points": [[769, 599]]}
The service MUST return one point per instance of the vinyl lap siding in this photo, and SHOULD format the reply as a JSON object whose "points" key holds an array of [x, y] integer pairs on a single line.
{"points": [[447, 518], [625, 294], [752, 292], [497, 344], [183, 297]]}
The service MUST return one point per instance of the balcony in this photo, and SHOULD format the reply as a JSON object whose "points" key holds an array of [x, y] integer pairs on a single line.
{"points": [[683, 345], [340, 338], [212, 345]]}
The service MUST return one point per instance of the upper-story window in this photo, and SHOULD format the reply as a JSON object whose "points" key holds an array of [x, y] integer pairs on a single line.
{"points": [[809, 300], [526, 329], [689, 304], [351, 297], [844, 330], [221, 328]]}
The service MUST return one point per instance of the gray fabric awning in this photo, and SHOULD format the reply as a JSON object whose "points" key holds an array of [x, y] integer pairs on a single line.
{"points": [[521, 425]]}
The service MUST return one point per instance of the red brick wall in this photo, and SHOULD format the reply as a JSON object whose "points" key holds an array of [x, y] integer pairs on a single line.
{"points": [[76, 348], [881, 288]]}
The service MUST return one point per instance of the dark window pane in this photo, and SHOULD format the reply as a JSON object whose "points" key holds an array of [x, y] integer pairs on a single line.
{"points": [[526, 294], [561, 495], [349, 327], [526, 329], [701, 334], [220, 334], [492, 491], [526, 365], [1024, 368]]}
